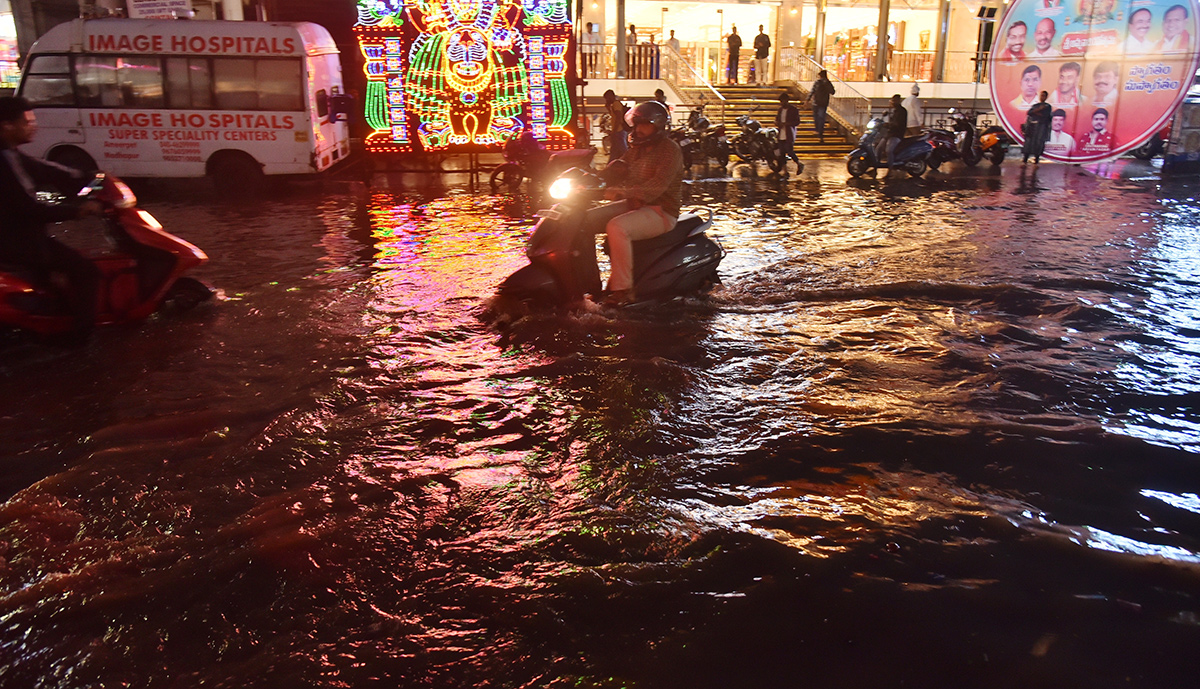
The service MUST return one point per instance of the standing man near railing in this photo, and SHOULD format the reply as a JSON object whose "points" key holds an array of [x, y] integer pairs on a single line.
{"points": [[819, 95], [734, 41], [592, 42], [673, 43], [634, 62], [762, 49]]}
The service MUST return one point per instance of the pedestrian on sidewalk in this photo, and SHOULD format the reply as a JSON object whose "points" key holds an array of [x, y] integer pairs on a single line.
{"points": [[762, 49], [819, 95], [734, 41]]}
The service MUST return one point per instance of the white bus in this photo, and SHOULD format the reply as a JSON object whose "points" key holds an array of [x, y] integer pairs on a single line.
{"points": [[180, 98]]}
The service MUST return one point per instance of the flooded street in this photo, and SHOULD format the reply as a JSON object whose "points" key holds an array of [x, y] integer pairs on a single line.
{"points": [[928, 433]]}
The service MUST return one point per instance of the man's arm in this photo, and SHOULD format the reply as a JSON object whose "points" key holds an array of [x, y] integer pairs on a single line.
{"points": [[65, 179], [23, 203]]}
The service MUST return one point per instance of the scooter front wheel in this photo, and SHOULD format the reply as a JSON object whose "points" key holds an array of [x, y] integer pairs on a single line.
{"points": [[532, 283], [972, 157], [857, 165], [507, 176], [187, 294]]}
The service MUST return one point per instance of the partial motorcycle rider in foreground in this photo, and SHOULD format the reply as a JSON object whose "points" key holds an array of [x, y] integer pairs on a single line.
{"points": [[653, 192], [23, 237]]}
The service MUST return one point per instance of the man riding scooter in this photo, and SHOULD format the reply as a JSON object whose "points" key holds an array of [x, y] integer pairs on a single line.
{"points": [[24, 241], [652, 188]]}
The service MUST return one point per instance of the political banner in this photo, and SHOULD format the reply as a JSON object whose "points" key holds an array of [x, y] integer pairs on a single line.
{"points": [[1114, 72]]}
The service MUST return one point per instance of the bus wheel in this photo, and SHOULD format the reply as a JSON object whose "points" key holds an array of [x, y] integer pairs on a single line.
{"points": [[236, 174], [72, 157]]}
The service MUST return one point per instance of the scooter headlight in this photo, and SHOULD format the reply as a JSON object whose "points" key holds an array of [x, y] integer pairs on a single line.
{"points": [[562, 188]]}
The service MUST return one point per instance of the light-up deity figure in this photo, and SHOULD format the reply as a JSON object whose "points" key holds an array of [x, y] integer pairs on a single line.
{"points": [[465, 79], [465, 74]]}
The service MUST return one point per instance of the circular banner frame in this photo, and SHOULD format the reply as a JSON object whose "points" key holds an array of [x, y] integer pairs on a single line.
{"points": [[1115, 71]]}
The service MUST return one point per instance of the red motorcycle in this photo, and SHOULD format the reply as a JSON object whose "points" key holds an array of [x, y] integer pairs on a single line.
{"points": [[142, 273]]}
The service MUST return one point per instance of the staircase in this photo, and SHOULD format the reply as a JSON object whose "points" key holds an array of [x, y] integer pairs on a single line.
{"points": [[741, 99]]}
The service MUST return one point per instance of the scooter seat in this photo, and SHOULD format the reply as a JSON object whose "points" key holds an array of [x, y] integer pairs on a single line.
{"points": [[683, 227]]}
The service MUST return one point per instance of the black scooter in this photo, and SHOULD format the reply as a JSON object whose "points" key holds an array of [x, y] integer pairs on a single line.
{"points": [[563, 268]]}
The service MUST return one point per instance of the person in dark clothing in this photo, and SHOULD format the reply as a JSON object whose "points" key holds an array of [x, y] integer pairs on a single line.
{"points": [[897, 124], [1037, 129], [787, 118], [734, 41], [819, 95], [762, 50], [24, 241]]}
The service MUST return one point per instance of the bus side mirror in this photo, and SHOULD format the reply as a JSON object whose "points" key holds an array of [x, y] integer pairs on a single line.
{"points": [[340, 107]]}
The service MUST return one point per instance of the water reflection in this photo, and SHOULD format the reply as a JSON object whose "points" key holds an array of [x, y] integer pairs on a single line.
{"points": [[914, 407]]}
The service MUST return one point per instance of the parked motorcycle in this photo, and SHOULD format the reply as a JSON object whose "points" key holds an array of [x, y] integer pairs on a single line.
{"points": [[994, 144], [712, 141], [756, 142], [966, 137], [529, 161], [563, 267], [945, 147], [143, 272], [911, 153], [689, 146]]}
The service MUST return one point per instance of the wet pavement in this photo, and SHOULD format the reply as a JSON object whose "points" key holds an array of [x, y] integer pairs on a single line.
{"points": [[928, 432]]}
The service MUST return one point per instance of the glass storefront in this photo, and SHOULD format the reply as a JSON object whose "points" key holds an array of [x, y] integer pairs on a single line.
{"points": [[9, 74], [850, 33]]}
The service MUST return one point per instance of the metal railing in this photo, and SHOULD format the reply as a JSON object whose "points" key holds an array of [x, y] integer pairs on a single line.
{"points": [[682, 70], [847, 106]]}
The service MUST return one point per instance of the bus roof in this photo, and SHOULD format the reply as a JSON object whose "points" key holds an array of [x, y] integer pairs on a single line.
{"points": [[186, 37]]}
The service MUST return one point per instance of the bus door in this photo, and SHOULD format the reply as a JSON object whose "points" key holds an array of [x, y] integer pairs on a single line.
{"points": [[331, 130]]}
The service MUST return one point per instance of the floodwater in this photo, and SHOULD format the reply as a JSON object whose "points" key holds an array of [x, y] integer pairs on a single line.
{"points": [[928, 433]]}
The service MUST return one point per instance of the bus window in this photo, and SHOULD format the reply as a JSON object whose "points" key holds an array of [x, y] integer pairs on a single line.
{"points": [[96, 78], [112, 82], [189, 83], [141, 81], [279, 85], [233, 82], [48, 81], [248, 84]]}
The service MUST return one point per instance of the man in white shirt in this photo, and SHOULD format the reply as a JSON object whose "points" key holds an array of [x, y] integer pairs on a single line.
{"points": [[1060, 144], [592, 43], [672, 42], [915, 117], [1043, 40], [1139, 26]]}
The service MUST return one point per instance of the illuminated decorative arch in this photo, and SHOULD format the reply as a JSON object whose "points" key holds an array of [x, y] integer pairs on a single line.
{"points": [[465, 74]]}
